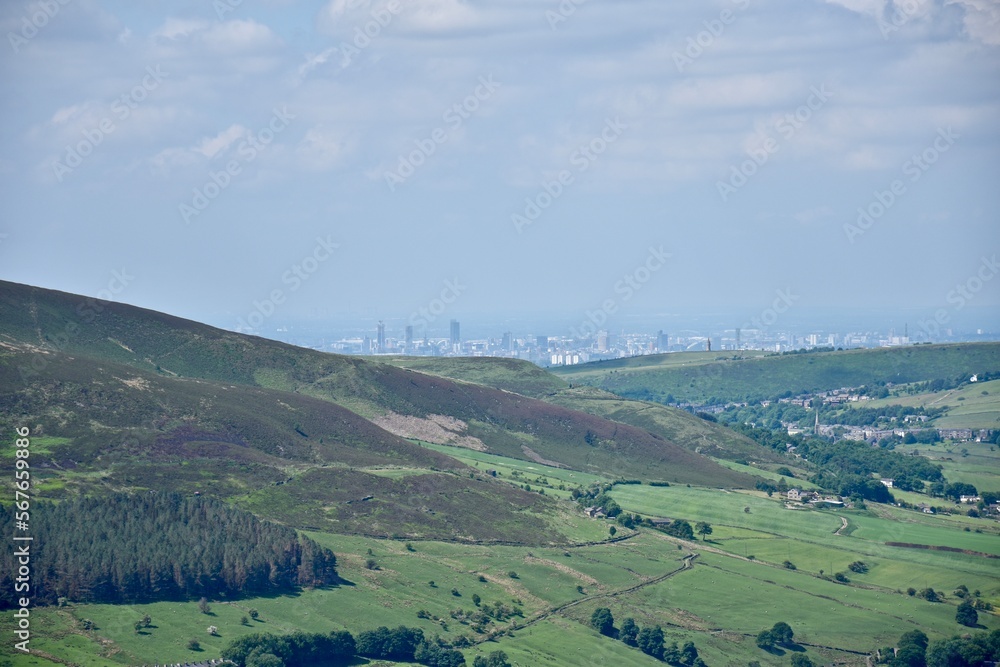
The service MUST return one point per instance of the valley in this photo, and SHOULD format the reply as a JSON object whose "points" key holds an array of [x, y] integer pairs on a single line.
{"points": [[491, 504]]}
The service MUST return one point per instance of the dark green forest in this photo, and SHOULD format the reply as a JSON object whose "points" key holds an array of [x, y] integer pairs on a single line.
{"points": [[158, 546]]}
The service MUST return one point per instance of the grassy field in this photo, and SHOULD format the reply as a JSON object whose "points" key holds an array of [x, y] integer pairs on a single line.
{"points": [[976, 463], [774, 533], [557, 588], [701, 377], [973, 405]]}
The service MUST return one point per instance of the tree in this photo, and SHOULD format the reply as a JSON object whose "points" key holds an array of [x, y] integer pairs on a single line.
{"points": [[494, 659], [799, 660], [689, 654], [435, 655], [203, 606], [782, 633], [765, 640], [138, 627], [858, 566], [966, 615], [703, 529], [194, 645], [629, 631], [265, 660], [603, 621], [929, 594], [254, 614], [650, 641]]}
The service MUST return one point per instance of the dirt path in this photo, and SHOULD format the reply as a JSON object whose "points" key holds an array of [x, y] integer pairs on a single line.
{"points": [[843, 527], [541, 616]]}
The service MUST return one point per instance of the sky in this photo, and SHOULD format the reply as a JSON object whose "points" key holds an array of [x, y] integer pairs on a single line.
{"points": [[247, 162]]}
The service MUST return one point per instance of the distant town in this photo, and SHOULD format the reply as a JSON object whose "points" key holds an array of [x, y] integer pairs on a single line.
{"points": [[548, 350]]}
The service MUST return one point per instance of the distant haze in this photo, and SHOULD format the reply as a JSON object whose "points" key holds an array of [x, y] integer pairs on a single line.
{"points": [[359, 160]]}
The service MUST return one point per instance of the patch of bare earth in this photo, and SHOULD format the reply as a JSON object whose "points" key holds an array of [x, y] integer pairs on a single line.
{"points": [[576, 574], [438, 429], [537, 458]]}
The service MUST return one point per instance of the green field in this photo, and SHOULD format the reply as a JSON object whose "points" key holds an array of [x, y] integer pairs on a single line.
{"points": [[976, 463], [974, 405], [643, 577], [703, 377]]}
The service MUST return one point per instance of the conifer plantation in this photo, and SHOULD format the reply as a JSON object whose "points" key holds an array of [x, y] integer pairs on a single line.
{"points": [[160, 546]]}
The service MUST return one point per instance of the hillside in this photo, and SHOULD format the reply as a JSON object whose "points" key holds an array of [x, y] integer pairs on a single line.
{"points": [[684, 428], [679, 426], [102, 427], [514, 375], [405, 402], [704, 378]]}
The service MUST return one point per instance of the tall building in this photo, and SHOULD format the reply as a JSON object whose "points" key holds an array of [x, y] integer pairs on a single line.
{"points": [[507, 344], [542, 342], [662, 342], [456, 334], [737, 338], [409, 337], [380, 338], [602, 341]]}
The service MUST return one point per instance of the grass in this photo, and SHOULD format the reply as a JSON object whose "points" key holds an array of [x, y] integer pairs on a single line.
{"points": [[974, 405], [684, 428], [520, 377], [806, 537], [717, 377], [979, 465], [859, 617]]}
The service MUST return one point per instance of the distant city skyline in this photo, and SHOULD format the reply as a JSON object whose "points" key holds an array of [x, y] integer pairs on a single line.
{"points": [[546, 345]]}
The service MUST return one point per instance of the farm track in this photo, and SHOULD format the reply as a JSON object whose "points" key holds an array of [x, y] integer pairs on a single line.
{"points": [[541, 616]]}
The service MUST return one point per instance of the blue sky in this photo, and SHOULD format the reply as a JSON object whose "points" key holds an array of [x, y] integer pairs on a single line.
{"points": [[352, 157]]}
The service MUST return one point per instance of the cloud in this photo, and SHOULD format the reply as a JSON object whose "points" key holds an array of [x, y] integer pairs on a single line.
{"points": [[174, 29], [321, 148], [240, 36], [982, 19], [210, 147]]}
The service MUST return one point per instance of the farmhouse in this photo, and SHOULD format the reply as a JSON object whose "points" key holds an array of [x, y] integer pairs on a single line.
{"points": [[969, 499], [799, 495], [886, 481]]}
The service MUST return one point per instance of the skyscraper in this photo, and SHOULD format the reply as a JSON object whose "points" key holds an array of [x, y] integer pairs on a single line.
{"points": [[409, 337], [456, 335], [662, 342], [380, 338]]}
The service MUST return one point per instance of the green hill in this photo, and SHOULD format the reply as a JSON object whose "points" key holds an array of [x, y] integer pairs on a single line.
{"points": [[683, 428], [715, 378], [408, 403], [514, 375], [309, 463]]}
